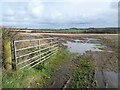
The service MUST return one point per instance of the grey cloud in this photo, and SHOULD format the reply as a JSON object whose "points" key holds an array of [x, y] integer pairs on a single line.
{"points": [[114, 5]]}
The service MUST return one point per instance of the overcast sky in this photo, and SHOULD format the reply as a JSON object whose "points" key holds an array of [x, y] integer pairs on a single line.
{"points": [[59, 13]]}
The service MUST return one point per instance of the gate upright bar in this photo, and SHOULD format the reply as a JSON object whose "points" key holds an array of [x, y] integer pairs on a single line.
{"points": [[15, 59]]}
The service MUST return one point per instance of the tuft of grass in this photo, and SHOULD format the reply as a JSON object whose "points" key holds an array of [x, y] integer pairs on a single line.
{"points": [[35, 77], [84, 75]]}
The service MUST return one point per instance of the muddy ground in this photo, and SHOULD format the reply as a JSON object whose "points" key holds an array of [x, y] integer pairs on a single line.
{"points": [[106, 68], [62, 75], [106, 63]]}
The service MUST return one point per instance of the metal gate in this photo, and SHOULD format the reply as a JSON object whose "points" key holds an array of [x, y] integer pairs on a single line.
{"points": [[29, 53]]}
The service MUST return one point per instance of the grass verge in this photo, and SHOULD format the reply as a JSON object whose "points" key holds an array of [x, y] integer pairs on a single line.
{"points": [[35, 77], [41, 75]]}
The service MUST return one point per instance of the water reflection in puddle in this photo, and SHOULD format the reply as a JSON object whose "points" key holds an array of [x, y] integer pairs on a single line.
{"points": [[107, 79], [85, 44], [81, 47]]}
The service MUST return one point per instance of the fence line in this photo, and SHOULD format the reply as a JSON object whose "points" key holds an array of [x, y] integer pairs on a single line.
{"points": [[41, 52]]}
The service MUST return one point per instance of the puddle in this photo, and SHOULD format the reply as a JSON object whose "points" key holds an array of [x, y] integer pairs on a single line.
{"points": [[107, 79], [83, 45], [88, 40], [81, 48]]}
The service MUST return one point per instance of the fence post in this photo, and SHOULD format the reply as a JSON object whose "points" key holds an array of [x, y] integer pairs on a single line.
{"points": [[42, 64], [7, 54], [15, 60]]}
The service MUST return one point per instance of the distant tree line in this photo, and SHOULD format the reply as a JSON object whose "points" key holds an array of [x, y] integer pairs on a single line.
{"points": [[102, 30], [110, 30]]}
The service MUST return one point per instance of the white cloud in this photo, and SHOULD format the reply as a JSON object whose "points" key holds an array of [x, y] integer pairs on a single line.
{"points": [[8, 12], [56, 15], [8, 19], [35, 8], [21, 15]]}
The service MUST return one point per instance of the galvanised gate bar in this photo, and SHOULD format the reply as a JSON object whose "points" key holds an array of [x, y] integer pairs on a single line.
{"points": [[29, 53]]}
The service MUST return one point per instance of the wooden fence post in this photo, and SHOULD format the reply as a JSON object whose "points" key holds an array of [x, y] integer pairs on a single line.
{"points": [[7, 54]]}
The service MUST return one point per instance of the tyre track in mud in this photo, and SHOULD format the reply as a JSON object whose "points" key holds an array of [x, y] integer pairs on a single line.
{"points": [[106, 68], [62, 76]]}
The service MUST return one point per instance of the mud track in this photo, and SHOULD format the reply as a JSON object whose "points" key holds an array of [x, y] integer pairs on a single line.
{"points": [[62, 75]]}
